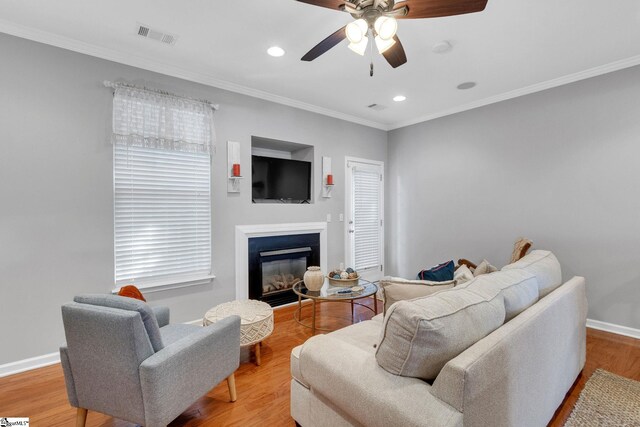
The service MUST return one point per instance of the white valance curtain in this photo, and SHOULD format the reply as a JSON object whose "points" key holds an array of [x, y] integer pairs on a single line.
{"points": [[152, 119]]}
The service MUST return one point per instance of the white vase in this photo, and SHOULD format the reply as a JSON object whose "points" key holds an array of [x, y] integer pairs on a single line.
{"points": [[313, 278]]}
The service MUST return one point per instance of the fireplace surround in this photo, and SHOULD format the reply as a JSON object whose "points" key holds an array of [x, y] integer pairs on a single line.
{"points": [[247, 233]]}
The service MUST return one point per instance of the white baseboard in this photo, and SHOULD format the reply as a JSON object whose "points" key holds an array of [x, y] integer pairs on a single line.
{"points": [[613, 328], [28, 364]]}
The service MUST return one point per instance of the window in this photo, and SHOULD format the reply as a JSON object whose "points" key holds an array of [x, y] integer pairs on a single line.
{"points": [[162, 194]]}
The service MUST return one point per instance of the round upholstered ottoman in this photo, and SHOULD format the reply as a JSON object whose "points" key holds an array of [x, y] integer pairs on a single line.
{"points": [[256, 321]]}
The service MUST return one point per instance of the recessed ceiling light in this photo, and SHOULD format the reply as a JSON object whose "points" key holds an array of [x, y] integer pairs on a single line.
{"points": [[275, 51], [399, 98], [466, 85], [442, 47]]}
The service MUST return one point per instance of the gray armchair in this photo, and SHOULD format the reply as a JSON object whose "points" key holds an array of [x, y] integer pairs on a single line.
{"points": [[124, 359]]}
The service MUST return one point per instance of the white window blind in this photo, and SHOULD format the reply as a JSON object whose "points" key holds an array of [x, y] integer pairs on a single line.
{"points": [[162, 214], [366, 218]]}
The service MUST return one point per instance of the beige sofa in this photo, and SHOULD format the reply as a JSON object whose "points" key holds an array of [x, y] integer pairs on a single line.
{"points": [[516, 375]]}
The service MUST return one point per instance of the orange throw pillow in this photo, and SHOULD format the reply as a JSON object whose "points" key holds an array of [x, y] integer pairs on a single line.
{"points": [[131, 292]]}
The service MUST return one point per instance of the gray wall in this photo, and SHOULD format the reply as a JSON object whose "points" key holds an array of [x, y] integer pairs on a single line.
{"points": [[561, 167], [56, 192]]}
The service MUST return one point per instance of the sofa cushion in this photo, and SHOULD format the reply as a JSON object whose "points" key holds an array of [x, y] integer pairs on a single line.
{"points": [[420, 336], [397, 289], [124, 303], [542, 264], [519, 289]]}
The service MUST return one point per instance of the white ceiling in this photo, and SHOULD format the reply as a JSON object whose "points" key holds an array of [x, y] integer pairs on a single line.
{"points": [[512, 48]]}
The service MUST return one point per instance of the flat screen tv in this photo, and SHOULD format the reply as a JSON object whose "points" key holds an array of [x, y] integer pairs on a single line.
{"points": [[280, 180]]}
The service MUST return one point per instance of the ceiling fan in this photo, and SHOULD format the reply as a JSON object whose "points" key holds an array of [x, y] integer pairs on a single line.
{"points": [[378, 18]]}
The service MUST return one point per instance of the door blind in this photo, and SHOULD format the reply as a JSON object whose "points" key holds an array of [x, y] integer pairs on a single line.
{"points": [[162, 214], [366, 218]]}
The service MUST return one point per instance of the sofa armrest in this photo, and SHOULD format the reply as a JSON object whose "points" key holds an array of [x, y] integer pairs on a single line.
{"points": [[162, 315], [176, 376], [352, 381], [535, 357]]}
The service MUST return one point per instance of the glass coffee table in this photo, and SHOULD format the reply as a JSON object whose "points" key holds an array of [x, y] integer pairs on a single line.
{"points": [[330, 293]]}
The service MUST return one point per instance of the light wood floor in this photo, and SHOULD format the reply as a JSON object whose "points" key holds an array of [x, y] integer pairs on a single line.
{"points": [[263, 391]]}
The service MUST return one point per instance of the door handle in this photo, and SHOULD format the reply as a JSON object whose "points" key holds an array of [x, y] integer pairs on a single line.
{"points": [[352, 231]]}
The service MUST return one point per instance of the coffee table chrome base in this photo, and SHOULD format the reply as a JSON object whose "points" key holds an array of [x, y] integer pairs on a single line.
{"points": [[298, 313]]}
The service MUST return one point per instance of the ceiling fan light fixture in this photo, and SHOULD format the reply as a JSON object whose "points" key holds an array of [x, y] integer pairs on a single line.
{"points": [[386, 27], [383, 44], [357, 30], [361, 47]]}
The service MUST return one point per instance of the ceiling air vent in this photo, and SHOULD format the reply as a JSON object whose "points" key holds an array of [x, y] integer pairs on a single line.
{"points": [[376, 107], [157, 35]]}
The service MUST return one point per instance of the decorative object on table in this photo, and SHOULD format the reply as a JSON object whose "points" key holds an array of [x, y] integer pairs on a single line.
{"points": [[484, 268], [313, 278], [348, 277], [131, 291], [607, 400], [256, 321], [520, 249], [440, 273]]}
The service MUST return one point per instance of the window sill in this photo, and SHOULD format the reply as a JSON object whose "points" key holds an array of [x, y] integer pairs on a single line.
{"points": [[168, 284]]}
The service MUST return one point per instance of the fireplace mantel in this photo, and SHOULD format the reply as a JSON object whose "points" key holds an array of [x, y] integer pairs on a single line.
{"points": [[245, 232]]}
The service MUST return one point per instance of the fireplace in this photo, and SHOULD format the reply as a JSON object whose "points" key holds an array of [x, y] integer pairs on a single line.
{"points": [[276, 263]]}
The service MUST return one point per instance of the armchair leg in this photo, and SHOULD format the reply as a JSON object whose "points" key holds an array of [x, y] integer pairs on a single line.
{"points": [[231, 382], [81, 417]]}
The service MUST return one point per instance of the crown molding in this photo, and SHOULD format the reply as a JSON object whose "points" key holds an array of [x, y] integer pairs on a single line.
{"points": [[210, 80], [538, 87], [172, 70]]}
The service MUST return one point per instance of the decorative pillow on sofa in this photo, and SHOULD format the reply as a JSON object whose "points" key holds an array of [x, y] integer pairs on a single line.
{"points": [[420, 336], [397, 289], [462, 275], [542, 264], [439, 273], [520, 249], [519, 289], [484, 268]]}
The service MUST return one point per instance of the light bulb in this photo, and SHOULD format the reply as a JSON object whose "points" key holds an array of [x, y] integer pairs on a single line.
{"points": [[360, 48], [386, 27], [383, 45], [356, 30], [275, 51]]}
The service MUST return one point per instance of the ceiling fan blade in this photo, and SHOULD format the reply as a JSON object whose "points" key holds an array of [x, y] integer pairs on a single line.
{"points": [[395, 55], [325, 44], [437, 8], [330, 4]]}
